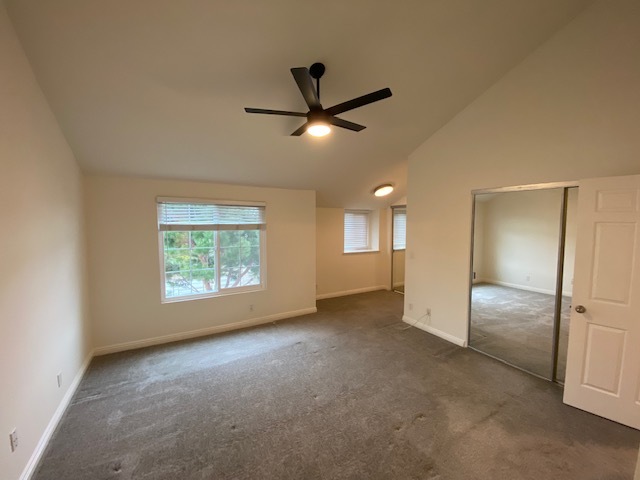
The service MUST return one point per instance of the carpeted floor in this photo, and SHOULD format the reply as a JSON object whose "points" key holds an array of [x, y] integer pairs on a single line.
{"points": [[348, 393], [517, 326]]}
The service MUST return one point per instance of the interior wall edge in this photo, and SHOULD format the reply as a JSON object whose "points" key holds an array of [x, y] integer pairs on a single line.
{"points": [[518, 286], [175, 337], [434, 331], [32, 464], [355, 291]]}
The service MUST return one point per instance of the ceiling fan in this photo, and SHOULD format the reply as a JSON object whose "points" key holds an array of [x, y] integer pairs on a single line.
{"points": [[319, 119]]}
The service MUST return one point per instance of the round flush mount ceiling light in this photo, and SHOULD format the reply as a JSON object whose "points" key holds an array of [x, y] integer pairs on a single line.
{"points": [[318, 129], [383, 190]]}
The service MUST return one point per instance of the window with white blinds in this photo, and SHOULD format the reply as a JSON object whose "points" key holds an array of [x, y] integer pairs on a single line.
{"points": [[357, 230], [179, 215], [399, 228], [210, 248]]}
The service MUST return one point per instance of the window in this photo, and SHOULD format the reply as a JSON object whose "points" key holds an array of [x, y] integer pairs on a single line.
{"points": [[357, 230], [399, 228], [210, 248]]}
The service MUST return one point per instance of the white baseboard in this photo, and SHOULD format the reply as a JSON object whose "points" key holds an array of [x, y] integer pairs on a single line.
{"points": [[344, 293], [29, 470], [524, 287], [147, 342], [434, 331], [398, 284]]}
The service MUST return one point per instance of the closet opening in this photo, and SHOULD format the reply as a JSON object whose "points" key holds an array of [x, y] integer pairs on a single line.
{"points": [[521, 278]]}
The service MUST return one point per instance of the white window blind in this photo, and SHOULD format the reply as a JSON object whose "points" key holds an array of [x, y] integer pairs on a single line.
{"points": [[184, 215], [399, 228], [357, 231]]}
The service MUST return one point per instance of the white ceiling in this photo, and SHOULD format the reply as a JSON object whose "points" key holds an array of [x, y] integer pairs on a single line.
{"points": [[156, 88]]}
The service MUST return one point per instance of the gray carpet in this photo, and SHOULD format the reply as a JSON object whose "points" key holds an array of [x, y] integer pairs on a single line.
{"points": [[517, 326], [348, 393]]}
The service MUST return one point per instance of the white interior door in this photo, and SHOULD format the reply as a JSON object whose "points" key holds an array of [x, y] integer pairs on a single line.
{"points": [[603, 362]]}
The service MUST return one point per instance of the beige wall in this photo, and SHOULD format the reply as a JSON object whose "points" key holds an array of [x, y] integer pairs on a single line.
{"points": [[478, 242], [570, 241], [124, 271], [516, 239], [398, 268], [342, 273], [571, 110], [42, 309]]}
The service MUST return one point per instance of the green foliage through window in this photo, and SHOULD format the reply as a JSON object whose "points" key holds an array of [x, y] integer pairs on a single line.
{"points": [[201, 262]]}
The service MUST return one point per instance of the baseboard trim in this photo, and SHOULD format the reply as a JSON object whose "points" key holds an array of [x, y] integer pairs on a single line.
{"points": [[30, 468], [434, 331], [355, 291], [175, 337], [525, 287]]}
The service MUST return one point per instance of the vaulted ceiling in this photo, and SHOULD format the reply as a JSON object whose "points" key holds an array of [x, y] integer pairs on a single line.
{"points": [[156, 88]]}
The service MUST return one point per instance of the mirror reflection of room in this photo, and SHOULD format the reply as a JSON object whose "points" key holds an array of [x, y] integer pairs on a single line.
{"points": [[399, 247], [515, 265]]}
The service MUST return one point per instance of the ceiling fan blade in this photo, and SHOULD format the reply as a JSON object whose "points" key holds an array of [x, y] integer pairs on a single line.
{"points": [[338, 122], [359, 102], [300, 131], [305, 84], [274, 112]]}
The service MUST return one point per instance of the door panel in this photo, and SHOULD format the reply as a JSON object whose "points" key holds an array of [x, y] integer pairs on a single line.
{"points": [[603, 363], [617, 201], [612, 266], [603, 358]]}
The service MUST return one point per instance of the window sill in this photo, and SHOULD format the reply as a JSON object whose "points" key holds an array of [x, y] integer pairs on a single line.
{"points": [[360, 251], [224, 293]]}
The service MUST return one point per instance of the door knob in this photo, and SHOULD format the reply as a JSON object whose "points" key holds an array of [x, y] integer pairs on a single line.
{"points": [[580, 309]]}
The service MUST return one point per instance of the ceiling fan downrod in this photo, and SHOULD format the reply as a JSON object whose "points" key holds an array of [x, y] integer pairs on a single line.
{"points": [[316, 71]]}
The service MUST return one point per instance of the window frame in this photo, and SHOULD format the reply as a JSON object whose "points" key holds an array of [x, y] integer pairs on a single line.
{"points": [[372, 245], [220, 292], [394, 212]]}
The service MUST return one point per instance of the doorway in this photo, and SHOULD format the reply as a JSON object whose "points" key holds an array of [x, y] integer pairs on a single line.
{"points": [[523, 250], [398, 247]]}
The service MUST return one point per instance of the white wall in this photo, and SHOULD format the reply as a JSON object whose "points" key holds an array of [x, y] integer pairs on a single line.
{"points": [[42, 303], [342, 273], [124, 270], [570, 110], [516, 241]]}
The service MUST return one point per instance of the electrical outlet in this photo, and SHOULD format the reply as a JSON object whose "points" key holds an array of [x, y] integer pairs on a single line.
{"points": [[13, 438], [59, 378]]}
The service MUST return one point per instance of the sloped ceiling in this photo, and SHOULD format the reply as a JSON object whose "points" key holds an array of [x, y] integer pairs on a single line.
{"points": [[156, 88]]}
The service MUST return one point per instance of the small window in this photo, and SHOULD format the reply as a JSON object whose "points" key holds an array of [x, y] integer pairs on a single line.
{"points": [[357, 230], [210, 248], [399, 228]]}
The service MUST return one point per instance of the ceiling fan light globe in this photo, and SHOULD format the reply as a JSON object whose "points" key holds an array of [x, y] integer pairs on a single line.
{"points": [[318, 129]]}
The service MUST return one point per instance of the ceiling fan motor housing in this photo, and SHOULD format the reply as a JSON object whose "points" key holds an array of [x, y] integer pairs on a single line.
{"points": [[315, 116], [317, 70]]}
